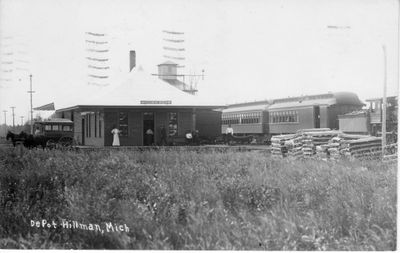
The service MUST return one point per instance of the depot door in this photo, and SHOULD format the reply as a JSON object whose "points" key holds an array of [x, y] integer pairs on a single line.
{"points": [[317, 117], [83, 131], [148, 128]]}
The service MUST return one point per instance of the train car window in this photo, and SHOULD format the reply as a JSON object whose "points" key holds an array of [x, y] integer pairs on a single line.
{"points": [[55, 128], [47, 127], [67, 128]]}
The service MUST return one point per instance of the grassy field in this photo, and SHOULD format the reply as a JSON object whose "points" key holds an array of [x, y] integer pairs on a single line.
{"points": [[190, 200]]}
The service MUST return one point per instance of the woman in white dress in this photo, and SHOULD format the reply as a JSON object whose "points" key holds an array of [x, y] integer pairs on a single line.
{"points": [[115, 133]]}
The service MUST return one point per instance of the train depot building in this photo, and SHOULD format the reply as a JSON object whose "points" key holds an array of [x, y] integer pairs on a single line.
{"points": [[141, 103]]}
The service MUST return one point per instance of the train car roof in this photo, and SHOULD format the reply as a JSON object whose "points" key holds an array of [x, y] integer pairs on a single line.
{"points": [[54, 120], [345, 98], [244, 108]]}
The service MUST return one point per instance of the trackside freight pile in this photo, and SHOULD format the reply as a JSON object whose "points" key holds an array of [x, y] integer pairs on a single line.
{"points": [[325, 144]]}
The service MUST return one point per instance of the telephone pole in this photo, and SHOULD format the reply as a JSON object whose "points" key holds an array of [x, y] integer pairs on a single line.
{"points": [[13, 116], [384, 103], [5, 122], [22, 120], [31, 91]]}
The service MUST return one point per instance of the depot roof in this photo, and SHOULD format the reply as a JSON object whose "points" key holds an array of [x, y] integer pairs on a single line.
{"points": [[140, 89]]}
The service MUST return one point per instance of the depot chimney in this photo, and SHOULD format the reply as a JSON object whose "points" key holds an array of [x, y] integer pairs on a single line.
{"points": [[132, 60]]}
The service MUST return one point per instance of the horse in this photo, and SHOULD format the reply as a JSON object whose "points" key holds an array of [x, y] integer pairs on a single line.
{"points": [[34, 141], [16, 137]]}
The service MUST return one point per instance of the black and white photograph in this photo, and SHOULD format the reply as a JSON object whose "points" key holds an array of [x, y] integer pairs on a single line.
{"points": [[259, 125]]}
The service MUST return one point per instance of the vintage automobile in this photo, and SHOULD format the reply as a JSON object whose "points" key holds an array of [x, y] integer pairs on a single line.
{"points": [[57, 132]]}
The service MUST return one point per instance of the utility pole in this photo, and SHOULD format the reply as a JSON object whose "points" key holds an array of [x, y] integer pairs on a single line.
{"points": [[31, 91], [384, 103], [13, 116], [22, 120], [5, 122]]}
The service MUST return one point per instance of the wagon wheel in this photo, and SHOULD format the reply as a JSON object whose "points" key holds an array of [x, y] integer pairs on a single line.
{"points": [[66, 142], [51, 144]]}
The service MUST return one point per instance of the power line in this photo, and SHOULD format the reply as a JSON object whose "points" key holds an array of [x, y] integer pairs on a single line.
{"points": [[31, 92], [5, 122], [13, 116]]}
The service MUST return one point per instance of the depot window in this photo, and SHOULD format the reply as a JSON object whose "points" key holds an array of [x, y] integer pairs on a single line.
{"points": [[173, 124], [123, 123]]}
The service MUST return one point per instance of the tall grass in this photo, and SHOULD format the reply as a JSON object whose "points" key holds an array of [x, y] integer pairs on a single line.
{"points": [[189, 200]]}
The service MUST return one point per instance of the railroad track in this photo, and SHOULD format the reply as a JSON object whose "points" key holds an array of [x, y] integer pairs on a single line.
{"points": [[205, 148]]}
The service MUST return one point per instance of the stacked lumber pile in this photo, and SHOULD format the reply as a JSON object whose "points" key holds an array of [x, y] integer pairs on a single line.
{"points": [[316, 142], [303, 131], [278, 144], [326, 144], [368, 147], [308, 147]]}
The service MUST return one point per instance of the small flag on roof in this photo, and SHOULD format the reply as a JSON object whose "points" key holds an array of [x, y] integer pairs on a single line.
{"points": [[48, 107]]}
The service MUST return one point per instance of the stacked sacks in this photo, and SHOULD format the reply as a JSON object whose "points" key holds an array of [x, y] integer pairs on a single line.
{"points": [[308, 147], [294, 146], [326, 144], [316, 141], [321, 137], [322, 152], [333, 148], [278, 144]]}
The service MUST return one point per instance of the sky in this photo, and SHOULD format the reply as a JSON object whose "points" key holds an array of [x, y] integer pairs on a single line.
{"points": [[249, 50]]}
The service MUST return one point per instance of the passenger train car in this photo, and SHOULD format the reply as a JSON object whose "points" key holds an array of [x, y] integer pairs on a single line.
{"points": [[287, 115]]}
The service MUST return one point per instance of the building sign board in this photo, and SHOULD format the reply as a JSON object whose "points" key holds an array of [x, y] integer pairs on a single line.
{"points": [[155, 102]]}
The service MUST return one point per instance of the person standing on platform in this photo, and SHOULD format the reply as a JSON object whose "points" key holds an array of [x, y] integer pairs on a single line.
{"points": [[229, 133], [196, 139], [115, 133], [189, 137], [163, 134], [149, 137]]}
